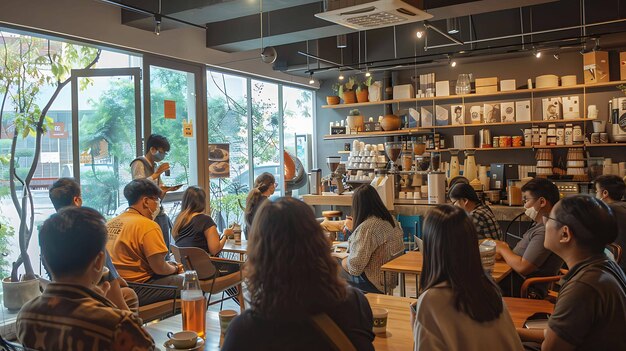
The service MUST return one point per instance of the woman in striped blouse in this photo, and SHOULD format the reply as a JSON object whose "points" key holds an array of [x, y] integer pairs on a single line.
{"points": [[376, 238]]}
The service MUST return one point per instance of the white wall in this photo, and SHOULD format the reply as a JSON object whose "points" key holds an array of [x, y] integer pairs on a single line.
{"points": [[101, 23]]}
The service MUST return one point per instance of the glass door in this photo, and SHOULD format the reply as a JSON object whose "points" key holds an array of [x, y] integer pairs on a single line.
{"points": [[106, 117], [172, 100]]}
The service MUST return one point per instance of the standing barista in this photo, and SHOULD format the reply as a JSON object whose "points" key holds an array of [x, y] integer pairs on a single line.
{"points": [[146, 167]]}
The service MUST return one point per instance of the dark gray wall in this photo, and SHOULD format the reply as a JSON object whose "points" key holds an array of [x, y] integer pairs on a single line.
{"points": [[520, 69]]}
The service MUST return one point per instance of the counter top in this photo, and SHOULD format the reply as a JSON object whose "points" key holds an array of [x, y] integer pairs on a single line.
{"points": [[502, 213]]}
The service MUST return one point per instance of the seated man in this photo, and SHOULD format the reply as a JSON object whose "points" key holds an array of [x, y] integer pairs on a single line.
{"points": [[529, 258], [611, 189], [66, 192], [590, 313], [72, 313], [136, 243]]}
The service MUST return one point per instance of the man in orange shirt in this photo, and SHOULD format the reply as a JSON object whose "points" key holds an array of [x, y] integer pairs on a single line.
{"points": [[136, 243]]}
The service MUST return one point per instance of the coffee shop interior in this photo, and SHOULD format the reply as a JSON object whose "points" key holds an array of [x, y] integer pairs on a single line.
{"points": [[388, 123]]}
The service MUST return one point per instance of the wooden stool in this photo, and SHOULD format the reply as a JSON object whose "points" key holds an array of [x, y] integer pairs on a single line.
{"points": [[332, 215]]}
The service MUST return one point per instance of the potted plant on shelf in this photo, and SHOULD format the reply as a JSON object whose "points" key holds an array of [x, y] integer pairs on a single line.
{"points": [[347, 91], [355, 122], [29, 65], [334, 99], [362, 92]]}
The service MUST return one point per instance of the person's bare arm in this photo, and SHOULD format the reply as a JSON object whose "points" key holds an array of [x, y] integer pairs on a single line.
{"points": [[554, 343], [518, 263], [160, 266], [115, 295], [535, 335], [213, 240]]}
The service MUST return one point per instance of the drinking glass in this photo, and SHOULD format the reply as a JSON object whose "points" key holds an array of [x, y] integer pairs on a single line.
{"points": [[463, 84]]}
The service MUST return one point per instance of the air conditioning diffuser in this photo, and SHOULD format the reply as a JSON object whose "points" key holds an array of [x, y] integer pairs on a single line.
{"points": [[375, 14]]}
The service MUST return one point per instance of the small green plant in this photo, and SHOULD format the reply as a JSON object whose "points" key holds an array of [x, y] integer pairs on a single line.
{"points": [[354, 112], [349, 86], [337, 88], [364, 84]]}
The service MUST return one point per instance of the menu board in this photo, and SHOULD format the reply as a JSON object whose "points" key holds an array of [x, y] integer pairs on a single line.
{"points": [[219, 161]]}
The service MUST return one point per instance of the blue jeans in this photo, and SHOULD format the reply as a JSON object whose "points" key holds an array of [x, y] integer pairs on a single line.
{"points": [[358, 281]]}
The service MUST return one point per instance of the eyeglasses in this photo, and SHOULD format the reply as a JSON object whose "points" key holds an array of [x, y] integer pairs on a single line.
{"points": [[526, 199], [156, 199], [546, 218]]}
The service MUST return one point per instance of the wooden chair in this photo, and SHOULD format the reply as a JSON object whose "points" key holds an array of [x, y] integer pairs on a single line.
{"points": [[159, 309], [616, 250], [211, 282]]}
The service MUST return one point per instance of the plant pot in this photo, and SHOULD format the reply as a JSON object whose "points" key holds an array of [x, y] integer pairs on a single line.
{"points": [[16, 294], [332, 100], [391, 122], [349, 97], [355, 123], [362, 95]]}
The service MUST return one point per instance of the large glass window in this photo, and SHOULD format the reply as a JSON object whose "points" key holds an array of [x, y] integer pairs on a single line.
{"points": [[266, 131], [228, 124], [298, 135]]}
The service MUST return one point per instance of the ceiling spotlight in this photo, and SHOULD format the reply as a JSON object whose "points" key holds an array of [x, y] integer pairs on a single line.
{"points": [[341, 77], [556, 56], [538, 54], [368, 74], [342, 41], [311, 81], [453, 63], [453, 25], [157, 24], [419, 34]]}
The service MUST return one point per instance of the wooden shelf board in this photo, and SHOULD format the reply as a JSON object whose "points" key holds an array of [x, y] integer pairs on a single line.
{"points": [[471, 96], [410, 131]]}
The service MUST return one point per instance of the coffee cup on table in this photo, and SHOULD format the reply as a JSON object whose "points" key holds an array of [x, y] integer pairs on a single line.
{"points": [[380, 320], [183, 340], [226, 316]]}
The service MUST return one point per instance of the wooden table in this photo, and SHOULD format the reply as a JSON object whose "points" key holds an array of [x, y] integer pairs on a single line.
{"points": [[412, 261], [241, 248], [399, 330], [331, 200]]}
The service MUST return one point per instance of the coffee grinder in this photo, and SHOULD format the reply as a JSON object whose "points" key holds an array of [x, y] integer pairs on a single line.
{"points": [[333, 164]]}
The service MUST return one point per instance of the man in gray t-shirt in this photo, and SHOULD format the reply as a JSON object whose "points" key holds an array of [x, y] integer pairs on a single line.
{"points": [[530, 258]]}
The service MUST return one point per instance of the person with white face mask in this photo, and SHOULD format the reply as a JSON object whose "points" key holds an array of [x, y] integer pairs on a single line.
{"points": [[150, 166], [136, 243], [611, 190], [529, 258]]}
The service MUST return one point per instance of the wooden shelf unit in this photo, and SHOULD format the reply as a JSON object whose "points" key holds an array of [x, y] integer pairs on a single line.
{"points": [[471, 96]]}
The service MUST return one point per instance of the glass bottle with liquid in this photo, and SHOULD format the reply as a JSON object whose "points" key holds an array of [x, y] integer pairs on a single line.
{"points": [[193, 305]]}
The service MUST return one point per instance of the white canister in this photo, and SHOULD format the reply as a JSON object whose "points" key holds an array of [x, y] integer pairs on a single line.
{"points": [[436, 188], [560, 136], [569, 130], [535, 135], [543, 136], [528, 136], [577, 135]]}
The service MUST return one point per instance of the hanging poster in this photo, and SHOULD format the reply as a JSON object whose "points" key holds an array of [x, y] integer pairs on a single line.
{"points": [[187, 129], [58, 131], [169, 109], [219, 161]]}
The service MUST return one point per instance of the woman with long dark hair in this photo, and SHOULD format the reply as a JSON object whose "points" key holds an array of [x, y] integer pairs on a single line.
{"points": [[376, 238], [291, 278], [460, 307], [464, 196], [264, 187]]}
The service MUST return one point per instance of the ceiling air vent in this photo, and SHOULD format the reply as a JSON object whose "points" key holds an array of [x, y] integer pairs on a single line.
{"points": [[375, 14]]}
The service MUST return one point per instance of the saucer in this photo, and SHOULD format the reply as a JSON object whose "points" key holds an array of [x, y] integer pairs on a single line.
{"points": [[199, 345]]}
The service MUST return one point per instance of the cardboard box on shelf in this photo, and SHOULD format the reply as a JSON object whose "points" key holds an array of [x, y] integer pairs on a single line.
{"points": [[507, 85], [596, 67], [486, 85], [442, 88], [405, 91]]}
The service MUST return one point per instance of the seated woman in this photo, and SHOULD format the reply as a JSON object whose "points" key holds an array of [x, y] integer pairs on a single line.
{"points": [[460, 307], [194, 228], [376, 238], [264, 187], [292, 278], [464, 196]]}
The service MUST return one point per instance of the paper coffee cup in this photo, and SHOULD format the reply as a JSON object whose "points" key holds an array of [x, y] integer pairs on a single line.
{"points": [[226, 316], [380, 320]]}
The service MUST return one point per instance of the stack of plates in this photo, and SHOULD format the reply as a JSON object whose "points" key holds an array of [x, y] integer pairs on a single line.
{"points": [[576, 165], [544, 162]]}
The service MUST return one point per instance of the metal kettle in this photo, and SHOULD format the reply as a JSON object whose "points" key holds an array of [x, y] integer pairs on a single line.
{"points": [[485, 138]]}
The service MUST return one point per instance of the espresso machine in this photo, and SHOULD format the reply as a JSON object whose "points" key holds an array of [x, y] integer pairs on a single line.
{"points": [[336, 173]]}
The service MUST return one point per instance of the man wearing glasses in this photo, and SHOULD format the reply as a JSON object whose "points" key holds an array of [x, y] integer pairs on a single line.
{"points": [[611, 190], [529, 258], [136, 244]]}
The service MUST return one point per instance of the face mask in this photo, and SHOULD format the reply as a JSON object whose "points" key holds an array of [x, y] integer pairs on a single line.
{"points": [[158, 156], [155, 213], [532, 213]]}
